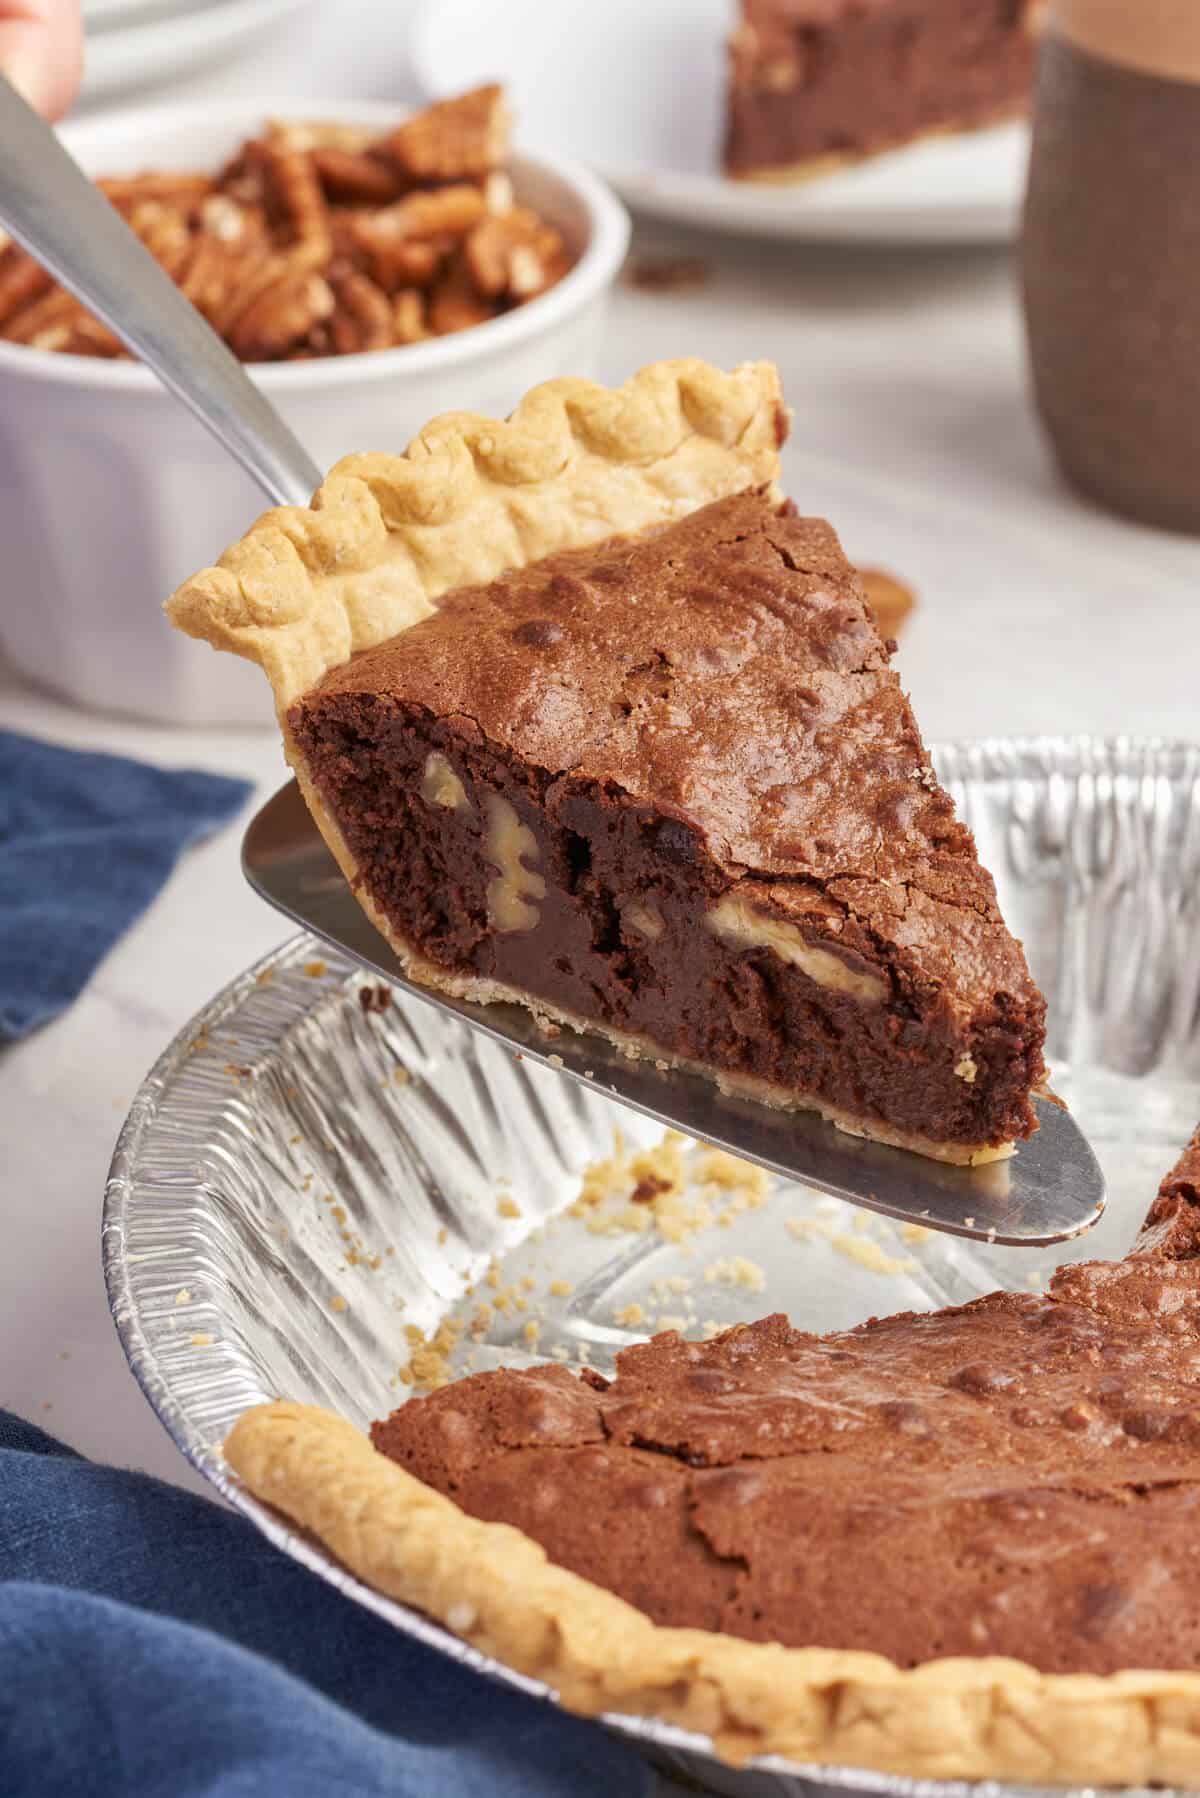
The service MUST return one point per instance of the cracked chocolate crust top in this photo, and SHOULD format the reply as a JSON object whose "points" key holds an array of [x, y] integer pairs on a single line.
{"points": [[1018, 1476]]}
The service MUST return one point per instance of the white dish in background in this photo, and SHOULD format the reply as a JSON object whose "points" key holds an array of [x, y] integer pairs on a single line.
{"points": [[148, 46], [636, 88], [113, 493]]}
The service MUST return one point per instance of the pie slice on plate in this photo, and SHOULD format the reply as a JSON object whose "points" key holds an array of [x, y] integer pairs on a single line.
{"points": [[952, 1545], [817, 83], [594, 720]]}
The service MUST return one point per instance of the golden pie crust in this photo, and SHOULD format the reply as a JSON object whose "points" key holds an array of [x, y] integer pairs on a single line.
{"points": [[471, 497], [985, 1718]]}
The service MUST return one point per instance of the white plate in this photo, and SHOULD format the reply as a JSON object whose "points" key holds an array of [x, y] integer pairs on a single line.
{"points": [[151, 50], [637, 88]]}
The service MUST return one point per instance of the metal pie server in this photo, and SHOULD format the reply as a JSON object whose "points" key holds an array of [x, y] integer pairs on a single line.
{"points": [[1052, 1189], [51, 207]]}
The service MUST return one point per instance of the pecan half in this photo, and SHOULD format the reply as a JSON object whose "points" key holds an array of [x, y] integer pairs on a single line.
{"points": [[292, 198], [53, 312], [352, 178], [463, 137], [171, 188], [282, 316], [446, 212], [454, 304], [319, 134], [363, 319], [394, 261], [513, 254], [408, 316]]}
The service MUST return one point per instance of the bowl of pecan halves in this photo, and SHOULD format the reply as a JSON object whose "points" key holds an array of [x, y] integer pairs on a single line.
{"points": [[370, 268]]}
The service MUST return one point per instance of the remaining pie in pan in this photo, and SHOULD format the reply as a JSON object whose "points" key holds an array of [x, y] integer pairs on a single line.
{"points": [[815, 83], [594, 721], [960, 1544]]}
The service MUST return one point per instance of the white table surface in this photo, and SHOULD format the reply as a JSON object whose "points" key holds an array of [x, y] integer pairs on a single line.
{"points": [[912, 432]]}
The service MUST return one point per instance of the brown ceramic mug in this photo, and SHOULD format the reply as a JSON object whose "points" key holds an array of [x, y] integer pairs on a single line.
{"points": [[1111, 253]]}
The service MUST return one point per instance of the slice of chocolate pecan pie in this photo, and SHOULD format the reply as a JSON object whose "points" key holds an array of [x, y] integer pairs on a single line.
{"points": [[817, 83], [594, 720]]}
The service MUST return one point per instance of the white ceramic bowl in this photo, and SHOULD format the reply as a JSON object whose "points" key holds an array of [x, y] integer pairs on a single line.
{"points": [[111, 493]]}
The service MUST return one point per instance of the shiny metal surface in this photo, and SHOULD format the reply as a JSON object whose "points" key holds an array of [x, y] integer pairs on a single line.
{"points": [[52, 209], [1050, 1190], [274, 1163]]}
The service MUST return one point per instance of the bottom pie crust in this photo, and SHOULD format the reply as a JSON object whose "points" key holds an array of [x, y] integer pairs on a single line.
{"points": [[481, 991], [494, 1586]]}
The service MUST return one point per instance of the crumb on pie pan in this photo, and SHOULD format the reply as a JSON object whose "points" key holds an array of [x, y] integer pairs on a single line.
{"points": [[311, 1174], [149, 493]]}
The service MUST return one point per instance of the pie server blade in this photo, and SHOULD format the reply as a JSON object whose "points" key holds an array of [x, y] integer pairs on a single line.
{"points": [[1050, 1190]]}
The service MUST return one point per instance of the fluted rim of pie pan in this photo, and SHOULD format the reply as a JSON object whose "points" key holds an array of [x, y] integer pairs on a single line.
{"points": [[606, 224], [993, 758]]}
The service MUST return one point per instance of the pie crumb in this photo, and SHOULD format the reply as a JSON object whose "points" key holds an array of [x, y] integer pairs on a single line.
{"points": [[428, 1367], [811, 1229], [183, 1296], [669, 1320], [716, 1167], [872, 1255], [337, 1302], [736, 1271], [508, 1207], [677, 1283]]}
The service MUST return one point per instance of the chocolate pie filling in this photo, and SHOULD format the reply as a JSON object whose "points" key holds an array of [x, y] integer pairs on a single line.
{"points": [[1019, 1476]]}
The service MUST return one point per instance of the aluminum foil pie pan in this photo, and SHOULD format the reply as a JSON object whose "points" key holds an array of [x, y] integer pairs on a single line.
{"points": [[304, 1178]]}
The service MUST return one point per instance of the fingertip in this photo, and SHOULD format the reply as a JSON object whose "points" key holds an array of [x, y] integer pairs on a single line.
{"points": [[45, 68]]}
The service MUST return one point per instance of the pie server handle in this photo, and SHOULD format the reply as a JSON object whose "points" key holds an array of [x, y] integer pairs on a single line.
{"points": [[1050, 1190], [51, 207]]}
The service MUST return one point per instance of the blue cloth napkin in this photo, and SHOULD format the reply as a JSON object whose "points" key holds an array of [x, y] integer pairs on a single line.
{"points": [[86, 841], [155, 1646]]}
